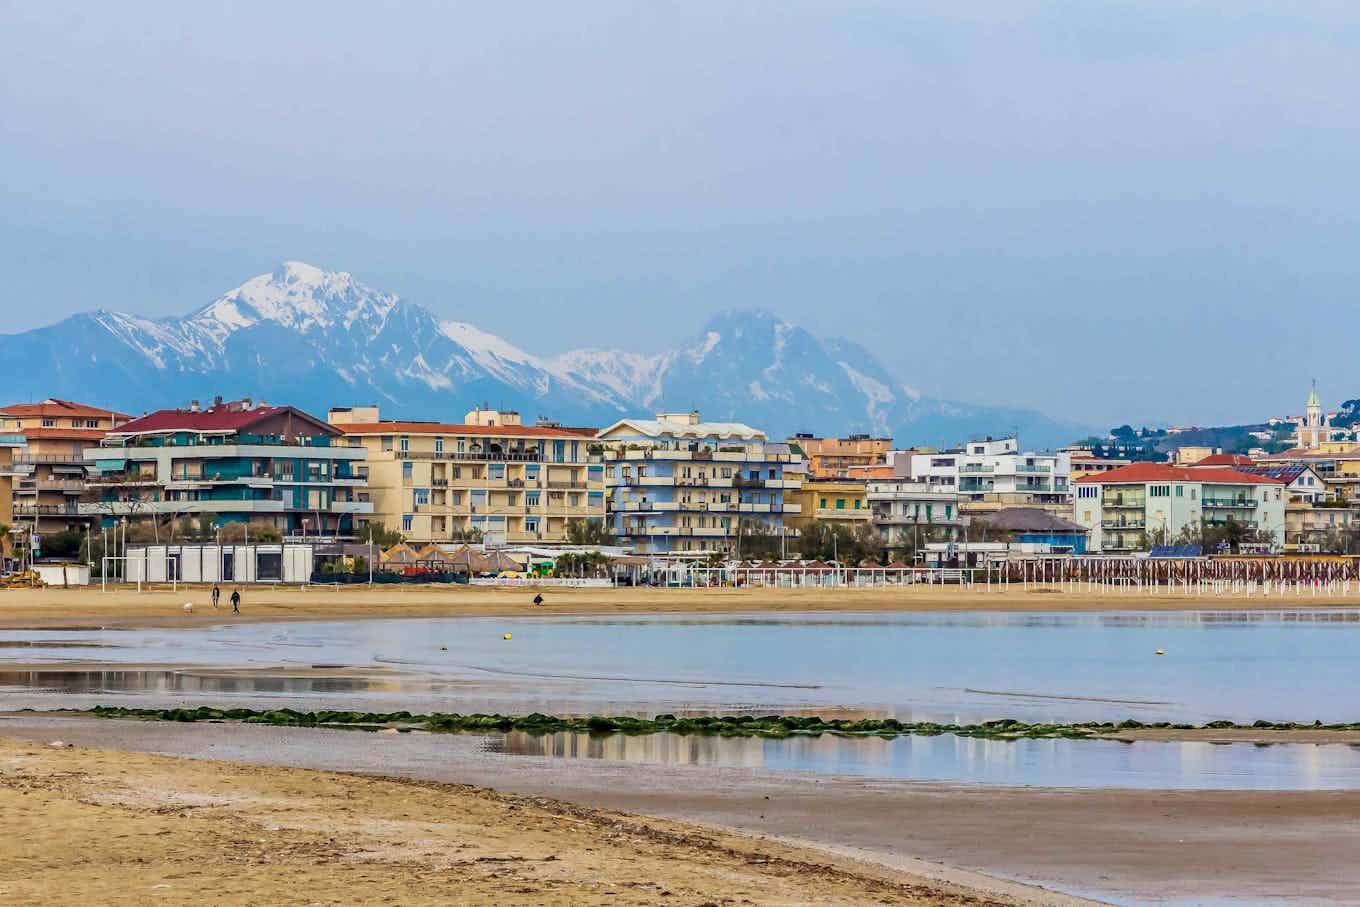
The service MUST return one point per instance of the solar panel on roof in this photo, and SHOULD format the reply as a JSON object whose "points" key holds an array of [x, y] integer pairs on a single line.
{"points": [[1179, 551]]}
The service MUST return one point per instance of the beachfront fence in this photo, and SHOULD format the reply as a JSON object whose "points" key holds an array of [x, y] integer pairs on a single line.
{"points": [[1189, 576], [1095, 574]]}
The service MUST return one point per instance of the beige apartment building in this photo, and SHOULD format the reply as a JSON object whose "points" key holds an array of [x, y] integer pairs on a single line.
{"points": [[8, 445], [833, 458], [508, 482], [50, 471]]}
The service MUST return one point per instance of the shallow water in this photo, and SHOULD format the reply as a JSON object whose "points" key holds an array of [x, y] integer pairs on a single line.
{"points": [[1039, 763], [1298, 665]]}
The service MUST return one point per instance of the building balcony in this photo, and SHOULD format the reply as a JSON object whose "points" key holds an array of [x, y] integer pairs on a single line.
{"points": [[46, 459], [907, 519], [832, 513], [1131, 525], [36, 486], [39, 510], [1229, 503], [178, 508], [351, 507], [1033, 468], [1124, 501]]}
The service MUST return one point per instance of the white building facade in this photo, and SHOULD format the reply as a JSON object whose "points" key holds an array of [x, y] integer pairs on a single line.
{"points": [[1123, 507], [993, 474]]}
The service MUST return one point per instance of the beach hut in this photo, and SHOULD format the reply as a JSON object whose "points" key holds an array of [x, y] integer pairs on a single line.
{"points": [[432, 558], [466, 560], [502, 562], [400, 556]]}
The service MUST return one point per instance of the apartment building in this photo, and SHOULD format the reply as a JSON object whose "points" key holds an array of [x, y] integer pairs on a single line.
{"points": [[994, 474], [9, 444], [51, 468], [1335, 463], [907, 512], [843, 501], [232, 462], [1085, 463], [1119, 508], [678, 484], [1313, 516], [489, 476], [833, 458]]}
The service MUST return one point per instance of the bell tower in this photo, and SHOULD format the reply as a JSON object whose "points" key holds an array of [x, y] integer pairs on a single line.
{"points": [[1310, 433]]}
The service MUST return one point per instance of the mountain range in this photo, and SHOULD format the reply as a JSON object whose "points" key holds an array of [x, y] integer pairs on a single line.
{"points": [[316, 339]]}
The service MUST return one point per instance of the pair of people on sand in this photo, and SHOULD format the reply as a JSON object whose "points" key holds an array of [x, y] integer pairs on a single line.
{"points": [[235, 598]]}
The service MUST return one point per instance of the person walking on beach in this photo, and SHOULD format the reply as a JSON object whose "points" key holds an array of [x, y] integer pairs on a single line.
{"points": [[236, 601], [216, 595], [538, 599]]}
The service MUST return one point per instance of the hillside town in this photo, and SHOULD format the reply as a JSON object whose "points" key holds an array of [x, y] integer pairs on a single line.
{"points": [[79, 482]]}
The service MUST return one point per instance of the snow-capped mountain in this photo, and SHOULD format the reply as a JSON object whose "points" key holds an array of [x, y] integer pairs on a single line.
{"points": [[319, 338]]}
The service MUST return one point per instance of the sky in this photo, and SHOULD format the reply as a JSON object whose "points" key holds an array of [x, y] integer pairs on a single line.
{"points": [[1108, 211]]}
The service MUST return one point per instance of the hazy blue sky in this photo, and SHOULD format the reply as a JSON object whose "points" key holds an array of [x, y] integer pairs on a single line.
{"points": [[1108, 211]]}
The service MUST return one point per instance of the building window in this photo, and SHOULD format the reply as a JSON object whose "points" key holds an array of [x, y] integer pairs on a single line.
{"points": [[531, 524], [531, 498], [406, 472], [406, 522], [439, 445], [49, 423], [421, 496], [404, 444]]}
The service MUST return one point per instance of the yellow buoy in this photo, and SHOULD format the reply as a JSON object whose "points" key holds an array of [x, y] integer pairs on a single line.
{"points": [[1160, 652], [506, 636]]}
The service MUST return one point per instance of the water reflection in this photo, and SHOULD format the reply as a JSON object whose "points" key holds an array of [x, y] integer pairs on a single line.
{"points": [[1283, 665], [164, 681], [1045, 763]]}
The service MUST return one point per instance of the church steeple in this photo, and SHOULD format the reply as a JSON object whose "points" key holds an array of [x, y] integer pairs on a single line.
{"points": [[1311, 432]]}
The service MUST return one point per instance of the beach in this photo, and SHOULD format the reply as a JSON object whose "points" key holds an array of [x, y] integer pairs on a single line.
{"points": [[124, 606], [247, 813], [1004, 844], [113, 827]]}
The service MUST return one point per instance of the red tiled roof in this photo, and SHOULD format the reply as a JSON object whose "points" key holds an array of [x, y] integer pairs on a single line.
{"points": [[1224, 459], [1162, 472], [226, 417], [55, 407], [445, 428]]}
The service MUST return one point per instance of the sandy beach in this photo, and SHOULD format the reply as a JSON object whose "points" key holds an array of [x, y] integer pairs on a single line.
{"points": [[122, 606], [256, 814], [112, 827], [1133, 845]]}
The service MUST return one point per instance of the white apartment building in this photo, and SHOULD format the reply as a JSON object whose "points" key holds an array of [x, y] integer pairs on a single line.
{"points": [[906, 511], [993, 474], [1122, 506], [677, 484]]}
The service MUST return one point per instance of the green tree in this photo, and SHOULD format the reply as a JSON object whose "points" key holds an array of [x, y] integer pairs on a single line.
{"points": [[589, 532], [381, 537]]}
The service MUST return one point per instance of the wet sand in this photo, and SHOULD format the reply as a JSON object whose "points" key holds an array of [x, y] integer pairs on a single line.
{"points": [[103, 826], [1259, 846], [89, 608]]}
